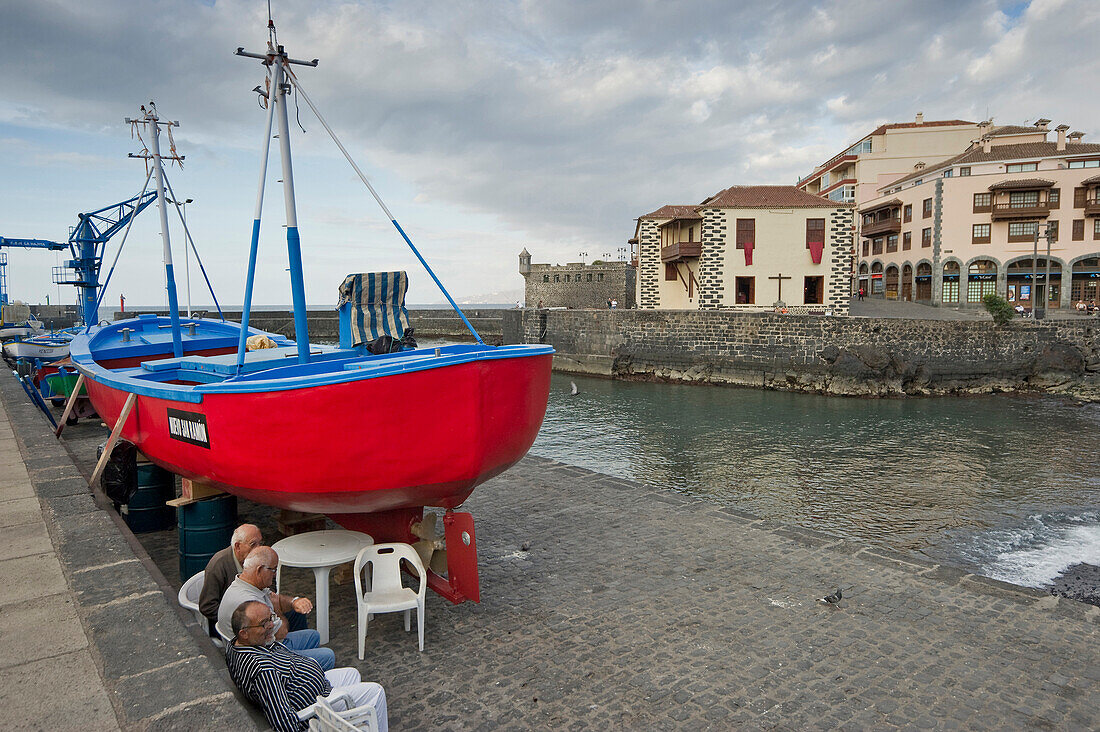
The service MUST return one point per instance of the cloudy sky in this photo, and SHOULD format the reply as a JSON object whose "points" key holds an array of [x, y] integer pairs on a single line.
{"points": [[486, 126]]}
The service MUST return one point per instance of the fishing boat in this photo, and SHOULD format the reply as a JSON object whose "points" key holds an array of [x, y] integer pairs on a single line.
{"points": [[43, 348], [368, 432]]}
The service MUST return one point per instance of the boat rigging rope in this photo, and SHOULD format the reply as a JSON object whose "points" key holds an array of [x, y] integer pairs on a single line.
{"points": [[103, 288], [254, 244], [298, 86], [187, 233]]}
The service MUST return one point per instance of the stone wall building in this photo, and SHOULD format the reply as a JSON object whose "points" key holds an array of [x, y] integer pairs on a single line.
{"points": [[577, 285], [949, 233], [747, 248]]}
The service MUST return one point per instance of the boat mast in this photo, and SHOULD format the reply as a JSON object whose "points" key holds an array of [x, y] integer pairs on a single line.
{"points": [[153, 123], [246, 311], [284, 81], [293, 243], [277, 60]]}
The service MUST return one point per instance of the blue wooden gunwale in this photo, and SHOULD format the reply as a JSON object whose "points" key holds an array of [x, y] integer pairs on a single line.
{"points": [[265, 370]]}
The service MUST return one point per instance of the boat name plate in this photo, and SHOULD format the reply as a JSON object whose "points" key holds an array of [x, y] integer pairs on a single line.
{"points": [[189, 427]]}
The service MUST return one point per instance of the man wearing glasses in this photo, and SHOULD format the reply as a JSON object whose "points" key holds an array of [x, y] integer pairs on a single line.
{"points": [[254, 583], [283, 683], [224, 567]]}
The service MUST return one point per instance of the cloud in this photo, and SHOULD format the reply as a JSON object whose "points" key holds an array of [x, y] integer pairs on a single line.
{"points": [[545, 125]]}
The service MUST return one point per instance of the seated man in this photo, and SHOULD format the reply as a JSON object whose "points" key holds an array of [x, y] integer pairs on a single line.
{"points": [[224, 567], [283, 683], [254, 583]]}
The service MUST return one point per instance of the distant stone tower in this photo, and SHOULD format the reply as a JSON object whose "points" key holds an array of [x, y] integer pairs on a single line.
{"points": [[576, 284]]}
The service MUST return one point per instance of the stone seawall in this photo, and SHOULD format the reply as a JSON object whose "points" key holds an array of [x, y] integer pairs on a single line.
{"points": [[848, 356], [324, 324]]}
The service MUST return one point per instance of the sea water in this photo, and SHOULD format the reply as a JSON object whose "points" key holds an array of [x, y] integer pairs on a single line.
{"points": [[1006, 486]]}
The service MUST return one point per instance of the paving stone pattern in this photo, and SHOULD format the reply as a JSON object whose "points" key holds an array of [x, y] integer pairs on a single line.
{"points": [[633, 607]]}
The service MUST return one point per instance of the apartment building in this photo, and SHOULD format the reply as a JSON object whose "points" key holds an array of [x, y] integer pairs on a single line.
{"points": [[950, 232], [747, 248], [886, 154]]}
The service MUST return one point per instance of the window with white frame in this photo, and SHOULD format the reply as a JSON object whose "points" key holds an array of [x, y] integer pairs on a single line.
{"points": [[1021, 167], [1084, 163]]}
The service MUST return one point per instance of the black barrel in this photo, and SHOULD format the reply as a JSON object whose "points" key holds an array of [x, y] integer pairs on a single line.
{"points": [[205, 528], [145, 511]]}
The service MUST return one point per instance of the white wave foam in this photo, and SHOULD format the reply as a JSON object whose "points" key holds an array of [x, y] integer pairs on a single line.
{"points": [[1037, 566]]}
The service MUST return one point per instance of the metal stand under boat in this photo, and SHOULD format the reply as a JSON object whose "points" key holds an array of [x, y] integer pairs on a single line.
{"points": [[407, 524]]}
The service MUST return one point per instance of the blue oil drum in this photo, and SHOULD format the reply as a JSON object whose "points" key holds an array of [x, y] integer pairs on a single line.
{"points": [[146, 510], [205, 528]]}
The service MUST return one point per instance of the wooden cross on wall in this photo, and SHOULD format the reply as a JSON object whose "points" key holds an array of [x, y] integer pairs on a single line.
{"points": [[780, 279]]}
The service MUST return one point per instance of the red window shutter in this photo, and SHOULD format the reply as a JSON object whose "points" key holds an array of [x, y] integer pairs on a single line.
{"points": [[746, 237]]}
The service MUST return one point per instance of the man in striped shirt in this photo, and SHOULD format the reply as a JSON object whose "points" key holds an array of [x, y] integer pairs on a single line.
{"points": [[282, 682], [254, 583]]}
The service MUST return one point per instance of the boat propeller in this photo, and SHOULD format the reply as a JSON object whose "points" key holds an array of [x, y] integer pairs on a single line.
{"points": [[432, 547]]}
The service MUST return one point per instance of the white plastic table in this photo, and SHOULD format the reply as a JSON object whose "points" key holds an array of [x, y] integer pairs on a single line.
{"points": [[319, 551]]}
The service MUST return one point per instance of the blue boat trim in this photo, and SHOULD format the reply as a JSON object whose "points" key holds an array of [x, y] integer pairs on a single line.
{"points": [[264, 370]]}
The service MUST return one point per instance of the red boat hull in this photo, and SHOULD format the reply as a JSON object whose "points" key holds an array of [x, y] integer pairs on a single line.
{"points": [[423, 438]]}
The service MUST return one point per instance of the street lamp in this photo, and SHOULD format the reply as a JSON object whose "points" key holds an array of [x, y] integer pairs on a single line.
{"points": [[583, 256], [622, 254], [1038, 310], [186, 250]]}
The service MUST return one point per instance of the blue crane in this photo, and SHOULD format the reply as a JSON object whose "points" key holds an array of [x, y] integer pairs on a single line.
{"points": [[86, 243]]}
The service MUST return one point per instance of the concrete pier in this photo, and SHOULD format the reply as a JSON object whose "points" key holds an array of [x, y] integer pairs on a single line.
{"points": [[91, 637], [608, 604]]}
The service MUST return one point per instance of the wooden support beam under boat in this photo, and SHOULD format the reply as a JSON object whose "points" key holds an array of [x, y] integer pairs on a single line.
{"points": [[69, 406], [116, 432], [193, 491]]}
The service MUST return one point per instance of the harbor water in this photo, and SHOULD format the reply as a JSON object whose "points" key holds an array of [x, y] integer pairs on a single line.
{"points": [[1006, 486]]}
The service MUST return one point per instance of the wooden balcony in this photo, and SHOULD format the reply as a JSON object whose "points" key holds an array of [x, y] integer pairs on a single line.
{"points": [[1092, 206], [885, 226], [681, 250], [1008, 211]]}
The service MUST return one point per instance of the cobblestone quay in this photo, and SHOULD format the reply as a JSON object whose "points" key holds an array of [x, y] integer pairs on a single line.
{"points": [[611, 605]]}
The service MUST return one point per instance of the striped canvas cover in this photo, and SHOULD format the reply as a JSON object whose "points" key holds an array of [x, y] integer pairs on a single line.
{"points": [[377, 303]]}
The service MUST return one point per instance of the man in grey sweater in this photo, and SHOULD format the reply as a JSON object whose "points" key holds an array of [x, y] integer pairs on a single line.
{"points": [[254, 583], [224, 567]]}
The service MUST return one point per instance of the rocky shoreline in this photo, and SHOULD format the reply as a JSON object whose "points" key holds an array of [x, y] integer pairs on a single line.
{"points": [[1079, 582]]}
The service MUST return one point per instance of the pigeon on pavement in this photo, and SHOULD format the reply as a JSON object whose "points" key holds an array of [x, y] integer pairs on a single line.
{"points": [[832, 599]]}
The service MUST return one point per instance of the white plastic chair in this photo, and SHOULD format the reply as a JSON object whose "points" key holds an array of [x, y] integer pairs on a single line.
{"points": [[386, 593], [324, 718], [189, 600], [225, 633]]}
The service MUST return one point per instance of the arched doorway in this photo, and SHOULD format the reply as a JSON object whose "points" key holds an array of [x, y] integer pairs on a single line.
{"points": [[981, 280], [1085, 285], [876, 279], [864, 279], [924, 282], [907, 283], [1021, 285], [951, 282], [891, 280]]}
